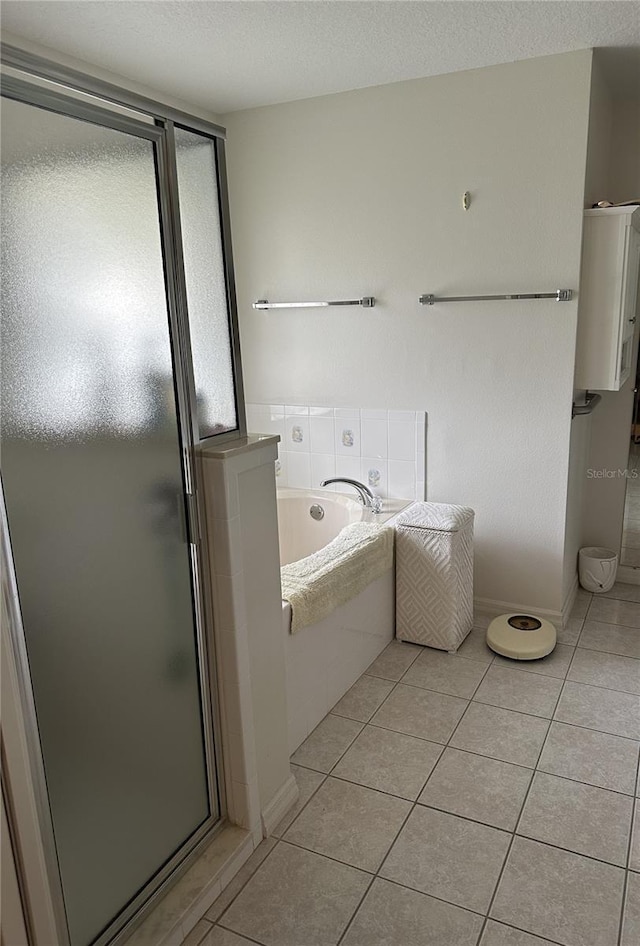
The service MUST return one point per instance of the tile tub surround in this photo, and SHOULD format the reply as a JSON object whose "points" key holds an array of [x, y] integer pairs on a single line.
{"points": [[453, 820], [384, 449]]}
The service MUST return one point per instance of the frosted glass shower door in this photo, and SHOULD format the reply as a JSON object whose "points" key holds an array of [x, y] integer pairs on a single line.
{"points": [[93, 481]]}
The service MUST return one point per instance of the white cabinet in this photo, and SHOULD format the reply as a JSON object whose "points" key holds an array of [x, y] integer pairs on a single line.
{"points": [[608, 296]]}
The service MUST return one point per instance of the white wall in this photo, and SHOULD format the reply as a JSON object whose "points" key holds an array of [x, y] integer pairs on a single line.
{"points": [[360, 193], [595, 189], [624, 177], [613, 173]]}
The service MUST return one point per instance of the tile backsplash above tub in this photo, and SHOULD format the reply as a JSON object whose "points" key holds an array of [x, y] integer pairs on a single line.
{"points": [[384, 449]]}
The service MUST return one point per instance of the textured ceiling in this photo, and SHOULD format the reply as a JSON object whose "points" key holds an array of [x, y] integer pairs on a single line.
{"points": [[225, 56]]}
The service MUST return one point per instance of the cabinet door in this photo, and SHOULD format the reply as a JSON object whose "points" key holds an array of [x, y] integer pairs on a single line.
{"points": [[630, 282], [628, 300]]}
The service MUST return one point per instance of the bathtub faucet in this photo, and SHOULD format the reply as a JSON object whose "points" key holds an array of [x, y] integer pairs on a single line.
{"points": [[367, 498]]}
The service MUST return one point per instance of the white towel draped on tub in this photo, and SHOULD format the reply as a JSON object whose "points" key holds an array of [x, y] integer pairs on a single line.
{"points": [[315, 585]]}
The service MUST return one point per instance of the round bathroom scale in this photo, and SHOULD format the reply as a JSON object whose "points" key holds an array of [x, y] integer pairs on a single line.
{"points": [[521, 636]]}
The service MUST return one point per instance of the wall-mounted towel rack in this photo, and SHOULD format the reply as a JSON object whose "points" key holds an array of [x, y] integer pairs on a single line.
{"points": [[591, 400], [560, 295], [367, 302]]}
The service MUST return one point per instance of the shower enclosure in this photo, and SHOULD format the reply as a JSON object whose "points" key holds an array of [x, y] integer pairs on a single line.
{"points": [[119, 353]]}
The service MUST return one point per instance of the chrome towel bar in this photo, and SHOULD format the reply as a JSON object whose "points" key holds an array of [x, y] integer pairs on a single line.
{"points": [[367, 302], [591, 400], [560, 295]]}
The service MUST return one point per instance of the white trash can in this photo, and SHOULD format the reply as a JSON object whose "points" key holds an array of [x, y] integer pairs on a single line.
{"points": [[597, 569]]}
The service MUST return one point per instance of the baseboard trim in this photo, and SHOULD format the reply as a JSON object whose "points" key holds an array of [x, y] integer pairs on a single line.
{"points": [[280, 804], [492, 608], [570, 600]]}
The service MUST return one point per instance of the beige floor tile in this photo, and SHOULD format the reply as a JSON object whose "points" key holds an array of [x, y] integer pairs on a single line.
{"points": [[581, 604], [221, 937], [394, 660], [570, 633], [611, 639], [297, 897], [308, 782], [559, 895], [364, 698], [393, 915], [554, 664], [445, 673], [634, 853], [525, 692], [245, 873], [623, 592], [448, 857], [578, 817], [421, 713], [350, 823], [327, 743], [631, 919], [606, 670], [479, 788], [501, 734], [597, 708], [481, 620], [496, 934], [389, 761], [197, 934], [596, 758], [475, 647], [615, 611]]}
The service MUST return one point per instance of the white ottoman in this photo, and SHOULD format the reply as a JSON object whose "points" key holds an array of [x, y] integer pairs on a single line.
{"points": [[434, 574]]}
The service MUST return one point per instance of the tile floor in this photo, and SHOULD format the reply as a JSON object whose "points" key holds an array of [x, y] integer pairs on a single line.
{"points": [[462, 800]]}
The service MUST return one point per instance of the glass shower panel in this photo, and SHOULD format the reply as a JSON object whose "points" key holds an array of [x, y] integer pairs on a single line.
{"points": [[92, 474], [206, 287]]}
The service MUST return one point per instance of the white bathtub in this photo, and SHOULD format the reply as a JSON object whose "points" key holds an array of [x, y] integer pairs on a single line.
{"points": [[325, 659], [300, 533]]}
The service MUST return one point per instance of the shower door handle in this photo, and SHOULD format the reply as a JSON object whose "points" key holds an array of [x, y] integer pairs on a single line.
{"points": [[189, 522]]}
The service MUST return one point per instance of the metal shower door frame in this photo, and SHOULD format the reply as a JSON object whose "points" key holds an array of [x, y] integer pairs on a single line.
{"points": [[160, 135]]}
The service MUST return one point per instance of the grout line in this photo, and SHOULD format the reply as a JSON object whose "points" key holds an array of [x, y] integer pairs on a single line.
{"points": [[610, 653], [297, 815], [205, 933], [599, 686], [403, 732], [486, 702], [328, 857], [356, 911], [625, 886], [248, 938], [455, 814], [567, 850], [396, 883], [602, 732], [568, 778], [382, 791], [236, 895], [543, 939], [513, 835], [413, 804], [378, 875]]}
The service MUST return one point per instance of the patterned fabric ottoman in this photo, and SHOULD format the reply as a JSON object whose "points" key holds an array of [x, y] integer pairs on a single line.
{"points": [[434, 574]]}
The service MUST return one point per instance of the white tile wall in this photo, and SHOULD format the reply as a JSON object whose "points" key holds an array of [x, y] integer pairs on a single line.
{"points": [[384, 449]]}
